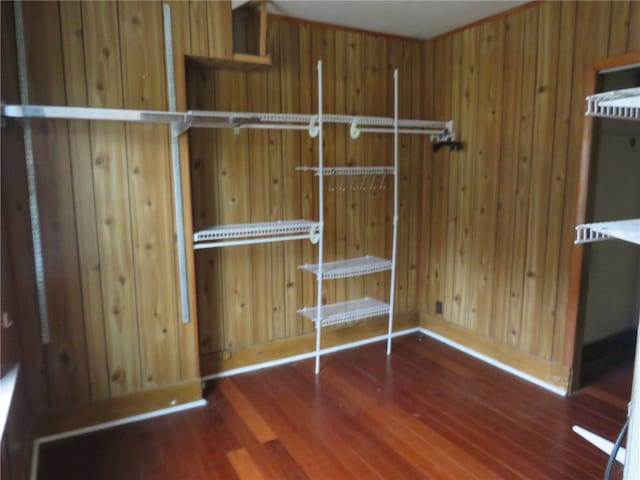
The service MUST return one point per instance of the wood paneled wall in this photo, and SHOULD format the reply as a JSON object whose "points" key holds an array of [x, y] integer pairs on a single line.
{"points": [[249, 295], [105, 192], [502, 212]]}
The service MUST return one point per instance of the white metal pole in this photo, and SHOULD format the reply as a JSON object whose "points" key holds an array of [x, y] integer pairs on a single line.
{"points": [[321, 218], [34, 211], [175, 164], [395, 208]]}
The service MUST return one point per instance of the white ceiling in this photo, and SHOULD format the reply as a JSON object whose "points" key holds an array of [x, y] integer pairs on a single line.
{"points": [[418, 18]]}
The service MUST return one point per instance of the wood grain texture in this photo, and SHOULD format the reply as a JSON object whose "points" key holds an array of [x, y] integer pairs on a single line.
{"points": [[112, 197], [477, 261], [507, 265], [66, 354], [84, 201], [151, 199], [364, 418]]}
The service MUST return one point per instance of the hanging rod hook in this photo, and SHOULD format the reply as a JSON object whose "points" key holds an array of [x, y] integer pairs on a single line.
{"points": [[354, 131], [314, 128]]}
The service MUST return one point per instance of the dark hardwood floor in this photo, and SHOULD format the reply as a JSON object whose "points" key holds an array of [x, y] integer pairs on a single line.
{"points": [[427, 411]]}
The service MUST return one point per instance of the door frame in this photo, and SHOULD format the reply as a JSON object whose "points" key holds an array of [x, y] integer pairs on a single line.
{"points": [[578, 270]]}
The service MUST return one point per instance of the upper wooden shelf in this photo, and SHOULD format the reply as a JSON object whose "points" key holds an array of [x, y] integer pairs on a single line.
{"points": [[243, 62], [240, 38]]}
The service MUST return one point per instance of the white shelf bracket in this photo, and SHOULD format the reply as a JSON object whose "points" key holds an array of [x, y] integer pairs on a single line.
{"points": [[354, 131], [314, 129]]}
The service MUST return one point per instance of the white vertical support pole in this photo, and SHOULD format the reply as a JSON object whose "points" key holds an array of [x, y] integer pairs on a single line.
{"points": [[395, 208], [175, 163], [321, 219], [34, 212]]}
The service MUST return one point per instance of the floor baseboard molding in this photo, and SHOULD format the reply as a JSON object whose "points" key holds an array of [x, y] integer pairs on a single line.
{"points": [[491, 361], [35, 456], [306, 356]]}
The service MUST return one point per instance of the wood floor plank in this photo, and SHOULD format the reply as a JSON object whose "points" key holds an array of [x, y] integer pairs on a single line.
{"points": [[427, 411], [249, 414], [244, 465]]}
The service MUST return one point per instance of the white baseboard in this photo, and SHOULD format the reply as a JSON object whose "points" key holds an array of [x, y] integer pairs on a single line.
{"points": [[35, 455], [306, 356], [491, 361]]}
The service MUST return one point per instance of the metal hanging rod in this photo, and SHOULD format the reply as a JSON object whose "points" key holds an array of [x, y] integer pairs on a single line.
{"points": [[183, 121]]}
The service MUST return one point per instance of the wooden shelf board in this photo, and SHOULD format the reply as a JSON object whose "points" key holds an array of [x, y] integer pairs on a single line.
{"points": [[239, 61]]}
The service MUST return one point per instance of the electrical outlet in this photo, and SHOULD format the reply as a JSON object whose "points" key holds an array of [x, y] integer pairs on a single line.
{"points": [[439, 307]]}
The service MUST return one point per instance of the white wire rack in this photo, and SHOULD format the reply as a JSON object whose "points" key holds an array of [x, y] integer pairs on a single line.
{"points": [[628, 230], [346, 312], [348, 171], [620, 104], [437, 130], [350, 268], [249, 233]]}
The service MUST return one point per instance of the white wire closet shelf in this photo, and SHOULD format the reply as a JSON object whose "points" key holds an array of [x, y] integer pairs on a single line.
{"points": [[351, 267], [346, 312], [620, 104], [348, 171], [628, 230], [263, 232], [437, 130]]}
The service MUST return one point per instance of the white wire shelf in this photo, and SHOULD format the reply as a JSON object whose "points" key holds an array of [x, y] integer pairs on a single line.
{"points": [[346, 312], [348, 171], [628, 230], [437, 130], [249, 233], [620, 104], [350, 268]]}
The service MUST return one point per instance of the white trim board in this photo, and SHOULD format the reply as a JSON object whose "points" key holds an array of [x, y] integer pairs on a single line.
{"points": [[306, 356], [35, 455], [496, 363]]}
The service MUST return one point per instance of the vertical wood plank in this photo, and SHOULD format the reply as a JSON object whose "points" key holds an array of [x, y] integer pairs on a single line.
{"points": [[151, 199], [543, 128], [619, 28], [257, 99], [205, 192], [405, 206], [199, 28], [523, 182], [417, 182], [66, 354], [558, 177], [288, 37], [276, 194], [451, 108], [488, 128], [508, 171], [341, 140], [234, 208], [84, 201], [464, 232], [375, 225], [633, 40], [110, 176], [220, 29], [356, 102], [441, 185]]}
